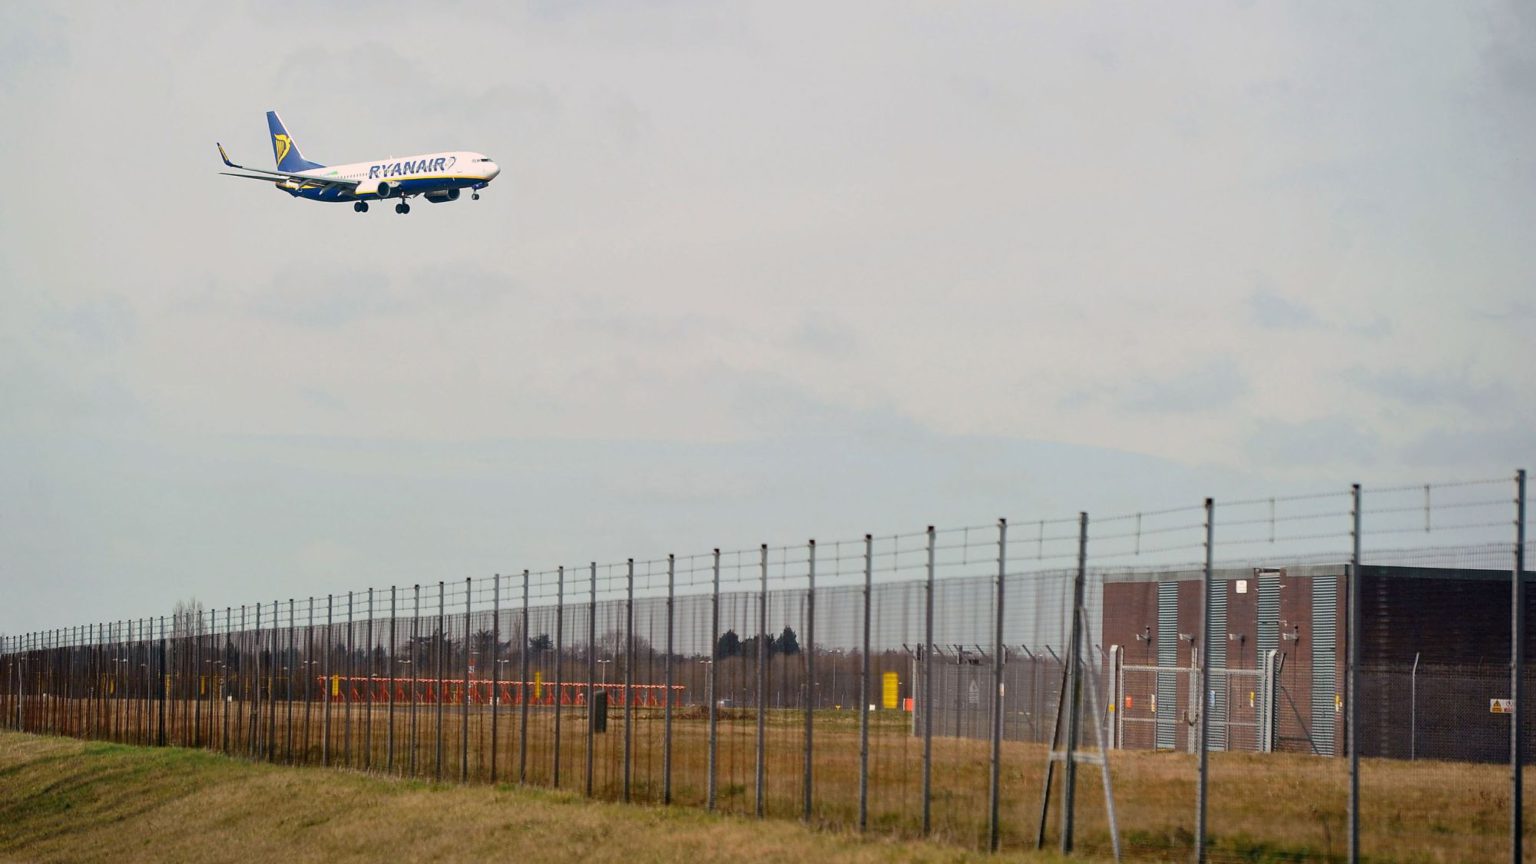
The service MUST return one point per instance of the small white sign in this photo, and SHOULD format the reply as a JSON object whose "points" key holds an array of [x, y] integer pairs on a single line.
{"points": [[1242, 586], [1501, 706]]}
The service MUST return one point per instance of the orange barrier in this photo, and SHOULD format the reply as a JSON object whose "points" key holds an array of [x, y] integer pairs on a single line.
{"points": [[342, 688]]}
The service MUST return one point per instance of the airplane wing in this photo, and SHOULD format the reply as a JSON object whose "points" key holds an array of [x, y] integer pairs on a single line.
{"points": [[274, 176]]}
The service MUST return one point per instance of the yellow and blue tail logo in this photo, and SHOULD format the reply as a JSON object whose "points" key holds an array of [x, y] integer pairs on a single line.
{"points": [[284, 149]]}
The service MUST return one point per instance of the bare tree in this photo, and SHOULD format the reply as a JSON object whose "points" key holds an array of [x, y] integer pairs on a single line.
{"points": [[187, 618]]}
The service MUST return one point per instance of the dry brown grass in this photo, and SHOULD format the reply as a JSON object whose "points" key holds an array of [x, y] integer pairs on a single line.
{"points": [[1272, 807], [64, 800]]}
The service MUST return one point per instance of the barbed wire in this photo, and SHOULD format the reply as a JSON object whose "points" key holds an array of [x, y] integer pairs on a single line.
{"points": [[897, 555]]}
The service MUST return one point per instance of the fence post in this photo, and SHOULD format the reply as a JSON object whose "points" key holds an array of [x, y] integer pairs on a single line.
{"points": [[415, 662], [1413, 709], [591, 676], [195, 689], [225, 698], [1203, 702], [1117, 695], [522, 689], [666, 745], [308, 676], [999, 656], [714, 662], [810, 680], [1072, 698], [325, 684], [368, 698], [288, 683], [147, 636], [1353, 686], [869, 551], [272, 640], [559, 662], [346, 704], [762, 682], [927, 697], [629, 673], [394, 661], [1517, 678], [495, 667], [469, 588], [263, 664], [48, 644], [440, 673], [25, 670], [161, 683]]}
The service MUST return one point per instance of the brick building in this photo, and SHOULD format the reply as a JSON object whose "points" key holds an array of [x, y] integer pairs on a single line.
{"points": [[1434, 653]]}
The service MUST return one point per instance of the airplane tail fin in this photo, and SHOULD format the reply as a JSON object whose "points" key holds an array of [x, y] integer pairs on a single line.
{"points": [[285, 149]]}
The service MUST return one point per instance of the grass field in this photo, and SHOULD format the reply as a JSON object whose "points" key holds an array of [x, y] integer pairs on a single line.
{"points": [[1263, 807], [64, 800]]}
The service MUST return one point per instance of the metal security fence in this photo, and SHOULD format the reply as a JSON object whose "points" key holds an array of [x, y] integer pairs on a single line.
{"points": [[924, 683]]}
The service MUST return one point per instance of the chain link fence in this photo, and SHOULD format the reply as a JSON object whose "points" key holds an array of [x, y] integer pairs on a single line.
{"points": [[912, 684]]}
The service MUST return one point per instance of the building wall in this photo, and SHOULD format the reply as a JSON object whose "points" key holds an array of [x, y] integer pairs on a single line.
{"points": [[1458, 623], [1455, 620]]}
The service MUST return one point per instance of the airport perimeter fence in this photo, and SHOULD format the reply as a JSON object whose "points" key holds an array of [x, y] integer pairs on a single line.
{"points": [[915, 684]]}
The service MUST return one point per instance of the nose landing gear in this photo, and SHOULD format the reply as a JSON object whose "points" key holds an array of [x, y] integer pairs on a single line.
{"points": [[474, 196], [361, 206]]}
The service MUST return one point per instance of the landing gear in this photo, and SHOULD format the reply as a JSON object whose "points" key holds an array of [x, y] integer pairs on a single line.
{"points": [[474, 196], [361, 206], [402, 208]]}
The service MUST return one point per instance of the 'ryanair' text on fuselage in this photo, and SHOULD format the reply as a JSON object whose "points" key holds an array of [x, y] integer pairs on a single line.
{"points": [[422, 166]]}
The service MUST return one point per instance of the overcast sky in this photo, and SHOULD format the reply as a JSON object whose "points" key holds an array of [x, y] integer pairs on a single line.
{"points": [[751, 272]]}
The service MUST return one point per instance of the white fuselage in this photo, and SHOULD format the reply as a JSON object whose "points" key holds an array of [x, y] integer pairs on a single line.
{"points": [[430, 174]]}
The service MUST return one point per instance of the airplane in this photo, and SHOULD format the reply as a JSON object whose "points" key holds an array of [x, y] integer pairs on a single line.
{"points": [[437, 176]]}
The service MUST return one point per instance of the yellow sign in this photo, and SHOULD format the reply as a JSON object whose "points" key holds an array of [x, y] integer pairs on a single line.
{"points": [[890, 690], [538, 686], [1501, 706], [335, 685]]}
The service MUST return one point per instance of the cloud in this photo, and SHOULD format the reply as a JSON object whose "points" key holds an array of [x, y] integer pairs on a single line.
{"points": [[1516, 312], [772, 242], [826, 335], [33, 47], [1474, 446], [1272, 311], [334, 297], [1327, 441], [1433, 389], [106, 323], [1217, 384]]}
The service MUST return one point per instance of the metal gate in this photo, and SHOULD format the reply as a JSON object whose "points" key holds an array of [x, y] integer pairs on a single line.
{"points": [[1157, 707]]}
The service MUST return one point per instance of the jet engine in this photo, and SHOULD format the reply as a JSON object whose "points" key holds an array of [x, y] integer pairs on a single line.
{"points": [[444, 195], [373, 187]]}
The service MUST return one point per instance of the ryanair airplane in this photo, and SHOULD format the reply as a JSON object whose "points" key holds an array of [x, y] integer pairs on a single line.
{"points": [[438, 176]]}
